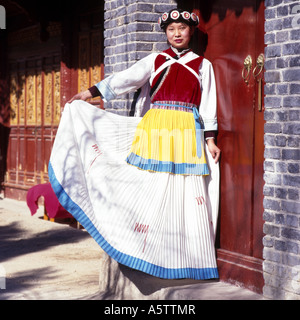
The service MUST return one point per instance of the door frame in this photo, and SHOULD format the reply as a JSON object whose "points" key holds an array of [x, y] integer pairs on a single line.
{"points": [[238, 267]]}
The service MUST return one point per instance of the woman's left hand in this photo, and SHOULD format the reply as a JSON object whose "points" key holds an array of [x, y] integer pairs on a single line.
{"points": [[213, 149]]}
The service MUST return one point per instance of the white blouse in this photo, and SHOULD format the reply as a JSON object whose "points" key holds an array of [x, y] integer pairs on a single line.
{"points": [[143, 72]]}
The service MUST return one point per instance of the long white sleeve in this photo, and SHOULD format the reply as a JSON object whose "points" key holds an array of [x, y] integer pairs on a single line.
{"points": [[208, 105], [128, 80]]}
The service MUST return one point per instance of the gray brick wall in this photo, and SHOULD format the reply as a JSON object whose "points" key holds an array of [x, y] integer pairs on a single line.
{"points": [[282, 154], [131, 33]]}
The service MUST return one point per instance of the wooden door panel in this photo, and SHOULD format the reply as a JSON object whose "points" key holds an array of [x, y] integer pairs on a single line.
{"points": [[30, 164], [235, 30], [35, 103], [41, 81], [22, 156], [227, 50], [13, 155], [39, 157]]}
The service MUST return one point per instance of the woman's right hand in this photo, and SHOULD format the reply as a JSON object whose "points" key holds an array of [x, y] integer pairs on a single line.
{"points": [[84, 95], [213, 149]]}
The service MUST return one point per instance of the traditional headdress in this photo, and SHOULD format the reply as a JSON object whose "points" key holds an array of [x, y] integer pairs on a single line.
{"points": [[178, 15]]}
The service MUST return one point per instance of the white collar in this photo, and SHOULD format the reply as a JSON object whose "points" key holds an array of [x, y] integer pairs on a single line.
{"points": [[180, 53]]}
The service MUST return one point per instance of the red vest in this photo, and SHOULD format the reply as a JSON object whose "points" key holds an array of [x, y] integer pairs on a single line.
{"points": [[176, 83]]}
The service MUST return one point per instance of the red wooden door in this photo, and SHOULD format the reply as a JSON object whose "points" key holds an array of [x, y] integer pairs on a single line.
{"points": [[42, 77], [236, 30], [35, 101]]}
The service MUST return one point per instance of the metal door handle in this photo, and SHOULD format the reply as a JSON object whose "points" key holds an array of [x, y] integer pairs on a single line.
{"points": [[259, 65], [246, 73], [256, 72]]}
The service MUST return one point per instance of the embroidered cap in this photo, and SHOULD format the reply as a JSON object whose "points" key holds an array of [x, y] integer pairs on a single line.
{"points": [[178, 15]]}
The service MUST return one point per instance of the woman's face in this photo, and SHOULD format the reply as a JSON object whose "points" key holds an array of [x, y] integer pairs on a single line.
{"points": [[179, 35]]}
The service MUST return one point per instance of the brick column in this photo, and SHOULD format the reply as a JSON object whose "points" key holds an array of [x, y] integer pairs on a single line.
{"points": [[282, 153], [131, 33]]}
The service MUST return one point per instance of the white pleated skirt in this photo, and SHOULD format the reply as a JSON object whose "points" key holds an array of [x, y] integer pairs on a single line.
{"points": [[156, 222]]}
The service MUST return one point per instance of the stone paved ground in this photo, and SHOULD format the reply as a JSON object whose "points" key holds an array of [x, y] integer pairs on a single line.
{"points": [[44, 260]]}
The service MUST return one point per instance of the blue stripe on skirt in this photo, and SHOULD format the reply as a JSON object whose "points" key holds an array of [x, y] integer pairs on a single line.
{"points": [[130, 261], [166, 166]]}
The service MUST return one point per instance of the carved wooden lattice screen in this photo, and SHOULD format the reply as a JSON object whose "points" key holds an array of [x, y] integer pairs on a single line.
{"points": [[38, 89], [35, 114], [91, 68], [35, 104], [31, 88]]}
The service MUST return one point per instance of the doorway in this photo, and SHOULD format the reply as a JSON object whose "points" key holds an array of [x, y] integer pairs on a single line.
{"points": [[233, 40], [48, 61]]}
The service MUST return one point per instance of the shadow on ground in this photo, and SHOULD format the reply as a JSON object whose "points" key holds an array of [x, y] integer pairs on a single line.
{"points": [[14, 240]]}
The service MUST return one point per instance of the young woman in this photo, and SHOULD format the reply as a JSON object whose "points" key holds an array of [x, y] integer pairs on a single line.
{"points": [[146, 188]]}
